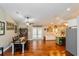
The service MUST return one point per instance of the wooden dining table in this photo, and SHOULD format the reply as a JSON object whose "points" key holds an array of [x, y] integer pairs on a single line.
{"points": [[22, 42]]}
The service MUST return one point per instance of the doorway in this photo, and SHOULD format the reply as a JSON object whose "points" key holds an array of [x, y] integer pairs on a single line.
{"points": [[37, 33]]}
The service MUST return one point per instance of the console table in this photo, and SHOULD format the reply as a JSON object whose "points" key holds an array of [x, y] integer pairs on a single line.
{"points": [[22, 43], [1, 48]]}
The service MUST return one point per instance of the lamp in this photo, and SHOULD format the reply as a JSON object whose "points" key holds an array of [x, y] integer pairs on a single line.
{"points": [[27, 20], [27, 24]]}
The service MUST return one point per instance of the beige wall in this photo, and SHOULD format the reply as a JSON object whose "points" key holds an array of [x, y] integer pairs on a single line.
{"points": [[5, 40]]}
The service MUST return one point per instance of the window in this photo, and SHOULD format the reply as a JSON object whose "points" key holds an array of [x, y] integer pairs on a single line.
{"points": [[37, 33]]}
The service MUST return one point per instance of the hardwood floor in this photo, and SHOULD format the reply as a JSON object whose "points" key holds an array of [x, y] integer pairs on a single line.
{"points": [[40, 48]]}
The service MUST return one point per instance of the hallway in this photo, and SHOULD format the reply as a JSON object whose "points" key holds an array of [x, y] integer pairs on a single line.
{"points": [[40, 48], [55, 23]]}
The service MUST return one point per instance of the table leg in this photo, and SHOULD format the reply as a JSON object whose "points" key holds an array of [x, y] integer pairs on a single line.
{"points": [[22, 48], [12, 49], [2, 51]]}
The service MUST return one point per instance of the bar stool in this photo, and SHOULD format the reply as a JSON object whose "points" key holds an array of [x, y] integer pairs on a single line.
{"points": [[1, 48]]}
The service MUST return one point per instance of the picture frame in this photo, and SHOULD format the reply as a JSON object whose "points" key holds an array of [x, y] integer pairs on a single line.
{"points": [[15, 28], [2, 28], [10, 26]]}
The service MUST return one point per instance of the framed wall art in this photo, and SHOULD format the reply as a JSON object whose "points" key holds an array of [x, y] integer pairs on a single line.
{"points": [[10, 26], [2, 28], [15, 28]]}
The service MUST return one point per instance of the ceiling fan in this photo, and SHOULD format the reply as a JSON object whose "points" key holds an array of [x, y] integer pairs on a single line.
{"points": [[27, 20]]}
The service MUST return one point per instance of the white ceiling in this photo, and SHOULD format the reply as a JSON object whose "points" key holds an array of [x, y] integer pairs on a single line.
{"points": [[42, 12]]}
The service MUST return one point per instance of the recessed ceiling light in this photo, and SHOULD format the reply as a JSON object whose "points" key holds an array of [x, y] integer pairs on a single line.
{"points": [[68, 9]]}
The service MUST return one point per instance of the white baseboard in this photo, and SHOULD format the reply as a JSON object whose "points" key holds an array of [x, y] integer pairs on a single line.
{"points": [[6, 48]]}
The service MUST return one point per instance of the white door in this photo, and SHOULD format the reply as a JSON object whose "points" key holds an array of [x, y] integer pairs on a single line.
{"points": [[37, 33]]}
